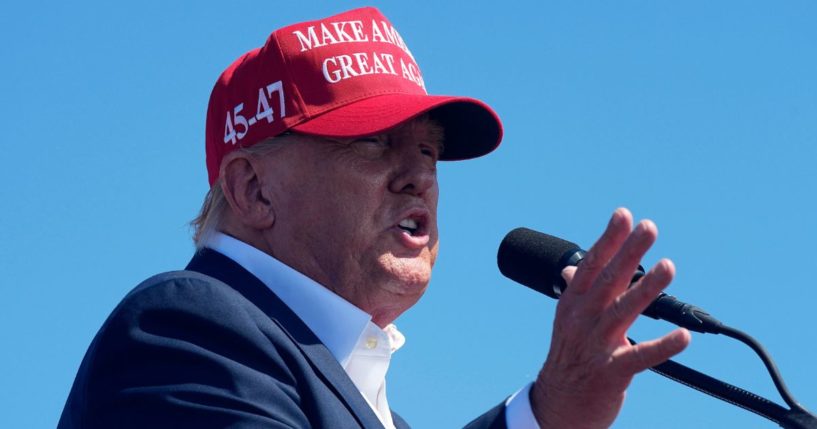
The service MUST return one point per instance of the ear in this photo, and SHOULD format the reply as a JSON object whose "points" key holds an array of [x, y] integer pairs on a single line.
{"points": [[242, 187]]}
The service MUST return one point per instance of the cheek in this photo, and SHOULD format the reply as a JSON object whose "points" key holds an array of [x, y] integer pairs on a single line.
{"points": [[344, 207], [313, 214]]}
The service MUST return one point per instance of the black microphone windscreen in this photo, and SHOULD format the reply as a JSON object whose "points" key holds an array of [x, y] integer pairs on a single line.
{"points": [[533, 259]]}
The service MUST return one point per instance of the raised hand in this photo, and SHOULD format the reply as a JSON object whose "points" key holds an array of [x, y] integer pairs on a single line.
{"points": [[590, 364]]}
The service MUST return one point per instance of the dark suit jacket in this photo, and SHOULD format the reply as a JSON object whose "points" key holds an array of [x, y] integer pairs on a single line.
{"points": [[213, 347]]}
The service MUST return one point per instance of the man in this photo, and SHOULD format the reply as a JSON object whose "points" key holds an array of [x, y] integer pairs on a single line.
{"points": [[318, 232]]}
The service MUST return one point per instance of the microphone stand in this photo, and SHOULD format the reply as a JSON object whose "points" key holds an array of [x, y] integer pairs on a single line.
{"points": [[527, 256], [667, 307], [795, 417]]}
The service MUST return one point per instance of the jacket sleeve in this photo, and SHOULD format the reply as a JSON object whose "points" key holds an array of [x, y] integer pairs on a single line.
{"points": [[180, 351]]}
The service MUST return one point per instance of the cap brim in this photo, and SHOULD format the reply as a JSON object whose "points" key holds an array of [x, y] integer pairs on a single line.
{"points": [[472, 129]]}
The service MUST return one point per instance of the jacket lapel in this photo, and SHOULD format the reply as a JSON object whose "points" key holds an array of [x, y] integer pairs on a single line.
{"points": [[216, 265]]}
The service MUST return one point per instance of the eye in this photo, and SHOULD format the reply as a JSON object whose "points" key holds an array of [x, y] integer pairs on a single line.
{"points": [[430, 151], [370, 147], [375, 140]]}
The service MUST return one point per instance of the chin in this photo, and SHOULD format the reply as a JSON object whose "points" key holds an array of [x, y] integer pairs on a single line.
{"points": [[409, 276]]}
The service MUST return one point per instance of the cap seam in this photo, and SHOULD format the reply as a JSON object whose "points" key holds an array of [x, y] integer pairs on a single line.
{"points": [[285, 61]]}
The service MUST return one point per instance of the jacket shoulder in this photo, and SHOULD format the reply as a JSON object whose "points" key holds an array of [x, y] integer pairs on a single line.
{"points": [[193, 351]]}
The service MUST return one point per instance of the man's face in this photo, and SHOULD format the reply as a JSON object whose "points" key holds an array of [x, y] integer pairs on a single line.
{"points": [[359, 216]]}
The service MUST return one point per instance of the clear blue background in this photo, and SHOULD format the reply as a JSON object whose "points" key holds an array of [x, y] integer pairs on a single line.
{"points": [[699, 115]]}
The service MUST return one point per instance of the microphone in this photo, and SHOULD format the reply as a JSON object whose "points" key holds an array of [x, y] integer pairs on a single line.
{"points": [[536, 260]]}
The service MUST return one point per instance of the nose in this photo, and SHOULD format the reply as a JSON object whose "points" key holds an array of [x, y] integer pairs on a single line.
{"points": [[417, 175]]}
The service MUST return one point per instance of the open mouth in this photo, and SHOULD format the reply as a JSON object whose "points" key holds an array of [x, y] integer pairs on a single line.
{"points": [[415, 224], [411, 226], [414, 228]]}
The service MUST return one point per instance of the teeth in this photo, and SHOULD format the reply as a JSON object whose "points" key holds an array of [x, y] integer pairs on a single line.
{"points": [[408, 223]]}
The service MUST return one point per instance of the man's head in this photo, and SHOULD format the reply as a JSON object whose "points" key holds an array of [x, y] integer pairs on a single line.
{"points": [[343, 187]]}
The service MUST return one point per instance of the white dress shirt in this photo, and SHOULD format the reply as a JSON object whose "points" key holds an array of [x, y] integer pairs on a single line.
{"points": [[361, 347]]}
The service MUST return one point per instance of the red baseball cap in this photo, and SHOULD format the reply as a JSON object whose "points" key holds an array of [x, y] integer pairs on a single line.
{"points": [[348, 75]]}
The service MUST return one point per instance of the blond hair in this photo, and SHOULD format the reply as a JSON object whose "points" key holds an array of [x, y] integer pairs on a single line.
{"points": [[215, 205]]}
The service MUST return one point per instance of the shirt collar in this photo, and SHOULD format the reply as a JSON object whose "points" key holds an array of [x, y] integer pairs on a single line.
{"points": [[336, 322]]}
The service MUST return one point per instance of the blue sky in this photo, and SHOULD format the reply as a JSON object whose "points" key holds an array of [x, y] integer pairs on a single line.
{"points": [[699, 115]]}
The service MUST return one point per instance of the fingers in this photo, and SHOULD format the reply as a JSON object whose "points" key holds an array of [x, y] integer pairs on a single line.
{"points": [[616, 276], [618, 228], [631, 360], [590, 363], [609, 266], [626, 307], [568, 273]]}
